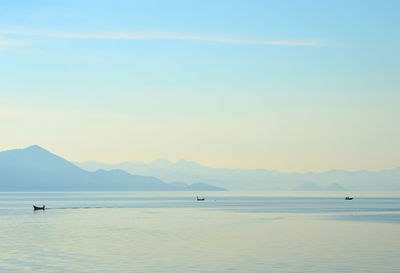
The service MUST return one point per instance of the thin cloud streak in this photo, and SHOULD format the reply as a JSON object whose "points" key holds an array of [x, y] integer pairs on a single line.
{"points": [[6, 43], [158, 36]]}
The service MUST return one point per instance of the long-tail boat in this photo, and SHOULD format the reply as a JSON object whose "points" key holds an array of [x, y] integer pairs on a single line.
{"points": [[39, 208]]}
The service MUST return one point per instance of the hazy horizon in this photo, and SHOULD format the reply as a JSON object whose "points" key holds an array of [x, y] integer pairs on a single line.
{"points": [[195, 162], [230, 167]]}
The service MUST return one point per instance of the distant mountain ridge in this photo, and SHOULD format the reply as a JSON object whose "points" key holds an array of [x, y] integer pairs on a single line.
{"points": [[36, 169], [311, 186], [257, 179]]}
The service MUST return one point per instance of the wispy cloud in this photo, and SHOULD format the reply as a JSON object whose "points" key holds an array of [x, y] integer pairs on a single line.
{"points": [[34, 113], [7, 43], [158, 36]]}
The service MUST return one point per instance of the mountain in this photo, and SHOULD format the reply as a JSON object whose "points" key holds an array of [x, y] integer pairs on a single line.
{"points": [[196, 187], [257, 179], [311, 186], [36, 169], [307, 186], [334, 187]]}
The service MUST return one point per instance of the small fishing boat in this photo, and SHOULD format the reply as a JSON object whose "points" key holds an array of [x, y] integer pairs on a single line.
{"points": [[39, 208], [348, 198], [200, 198]]}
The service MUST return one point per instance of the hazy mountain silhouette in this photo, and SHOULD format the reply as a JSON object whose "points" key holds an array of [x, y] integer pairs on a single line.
{"points": [[35, 169], [311, 186], [195, 187], [307, 186], [257, 179]]}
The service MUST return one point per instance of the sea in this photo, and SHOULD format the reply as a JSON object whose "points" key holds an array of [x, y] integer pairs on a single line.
{"points": [[173, 232]]}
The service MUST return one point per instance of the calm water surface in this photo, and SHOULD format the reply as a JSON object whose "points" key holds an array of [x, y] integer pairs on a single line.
{"points": [[172, 232]]}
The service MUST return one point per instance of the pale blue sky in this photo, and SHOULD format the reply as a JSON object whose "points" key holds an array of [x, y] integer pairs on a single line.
{"points": [[287, 85]]}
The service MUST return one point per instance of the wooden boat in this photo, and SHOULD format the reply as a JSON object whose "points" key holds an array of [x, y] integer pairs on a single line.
{"points": [[200, 198], [39, 208], [348, 198]]}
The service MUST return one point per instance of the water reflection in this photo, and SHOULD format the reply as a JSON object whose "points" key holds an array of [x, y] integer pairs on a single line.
{"points": [[123, 232]]}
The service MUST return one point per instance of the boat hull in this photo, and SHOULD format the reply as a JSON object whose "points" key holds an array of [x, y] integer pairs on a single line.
{"points": [[39, 208]]}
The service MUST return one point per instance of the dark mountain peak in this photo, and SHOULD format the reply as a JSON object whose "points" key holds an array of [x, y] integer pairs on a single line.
{"points": [[35, 158], [35, 169], [36, 150], [35, 147]]}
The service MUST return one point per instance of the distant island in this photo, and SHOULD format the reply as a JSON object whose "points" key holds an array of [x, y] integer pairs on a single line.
{"points": [[36, 169]]}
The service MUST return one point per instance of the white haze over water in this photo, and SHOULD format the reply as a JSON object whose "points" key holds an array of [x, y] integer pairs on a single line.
{"points": [[171, 232]]}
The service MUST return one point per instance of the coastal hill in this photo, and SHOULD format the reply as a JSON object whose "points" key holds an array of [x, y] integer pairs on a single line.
{"points": [[36, 169], [258, 179]]}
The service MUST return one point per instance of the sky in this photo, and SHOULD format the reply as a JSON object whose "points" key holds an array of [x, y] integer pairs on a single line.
{"points": [[294, 86]]}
